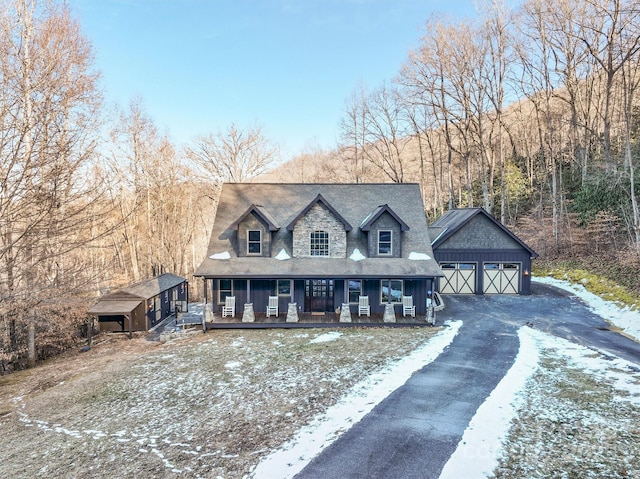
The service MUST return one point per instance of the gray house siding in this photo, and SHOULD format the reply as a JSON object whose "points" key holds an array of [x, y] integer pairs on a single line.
{"points": [[386, 222], [352, 215], [480, 233], [253, 223]]}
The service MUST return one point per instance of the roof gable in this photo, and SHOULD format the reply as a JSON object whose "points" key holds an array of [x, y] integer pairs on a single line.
{"points": [[379, 211], [316, 200], [455, 220], [261, 213], [284, 201]]}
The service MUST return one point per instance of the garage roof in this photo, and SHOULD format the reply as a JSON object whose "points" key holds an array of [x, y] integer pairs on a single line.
{"points": [[454, 220]]}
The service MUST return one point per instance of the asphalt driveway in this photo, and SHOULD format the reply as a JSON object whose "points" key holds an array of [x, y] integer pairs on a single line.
{"points": [[414, 431]]}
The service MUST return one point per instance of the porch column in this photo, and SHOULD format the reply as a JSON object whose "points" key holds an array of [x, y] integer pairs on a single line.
{"points": [[389, 313]]}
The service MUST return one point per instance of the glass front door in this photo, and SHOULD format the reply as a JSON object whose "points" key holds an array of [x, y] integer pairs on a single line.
{"points": [[318, 295]]}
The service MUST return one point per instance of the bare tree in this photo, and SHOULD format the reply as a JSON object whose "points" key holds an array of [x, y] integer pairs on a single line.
{"points": [[234, 155], [386, 133], [158, 203], [352, 127], [610, 31], [48, 112]]}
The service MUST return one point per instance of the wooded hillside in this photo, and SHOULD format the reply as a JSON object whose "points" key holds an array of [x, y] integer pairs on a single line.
{"points": [[530, 113]]}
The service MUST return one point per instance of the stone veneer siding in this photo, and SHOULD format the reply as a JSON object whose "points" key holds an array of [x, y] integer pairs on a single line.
{"points": [[319, 218]]}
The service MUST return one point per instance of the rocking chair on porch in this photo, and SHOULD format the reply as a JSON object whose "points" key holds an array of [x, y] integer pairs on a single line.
{"points": [[272, 307], [407, 306], [229, 308], [363, 306]]}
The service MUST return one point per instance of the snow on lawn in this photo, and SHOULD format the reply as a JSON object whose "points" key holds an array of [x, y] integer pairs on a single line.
{"points": [[482, 444], [202, 406], [478, 451], [326, 337], [291, 458], [624, 318]]}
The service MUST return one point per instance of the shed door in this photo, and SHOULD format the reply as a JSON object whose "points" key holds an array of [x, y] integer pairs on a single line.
{"points": [[459, 278], [501, 278]]}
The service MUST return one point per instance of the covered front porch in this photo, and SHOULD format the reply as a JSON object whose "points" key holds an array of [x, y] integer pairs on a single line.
{"points": [[312, 320], [317, 300]]}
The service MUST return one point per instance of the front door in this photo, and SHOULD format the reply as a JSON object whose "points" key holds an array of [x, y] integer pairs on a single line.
{"points": [[318, 295]]}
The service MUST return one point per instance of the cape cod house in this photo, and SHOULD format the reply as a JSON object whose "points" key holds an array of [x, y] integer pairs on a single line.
{"points": [[319, 246]]}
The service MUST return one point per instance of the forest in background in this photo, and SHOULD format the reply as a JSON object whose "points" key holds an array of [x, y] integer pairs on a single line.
{"points": [[530, 113]]}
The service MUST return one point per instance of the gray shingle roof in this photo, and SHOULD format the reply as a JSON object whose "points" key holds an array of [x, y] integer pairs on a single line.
{"points": [[262, 213], [353, 202], [375, 214], [453, 220]]}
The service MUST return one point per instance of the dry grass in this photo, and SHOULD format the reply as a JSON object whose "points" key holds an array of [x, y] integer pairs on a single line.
{"points": [[574, 424], [207, 406]]}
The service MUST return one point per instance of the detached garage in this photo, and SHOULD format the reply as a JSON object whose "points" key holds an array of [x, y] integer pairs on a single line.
{"points": [[479, 255]]}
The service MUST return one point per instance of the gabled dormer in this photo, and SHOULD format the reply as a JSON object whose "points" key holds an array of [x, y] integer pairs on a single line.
{"points": [[254, 232], [319, 231], [384, 230]]}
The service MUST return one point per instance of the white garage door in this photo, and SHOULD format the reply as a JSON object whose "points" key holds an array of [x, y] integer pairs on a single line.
{"points": [[501, 278], [459, 278]]}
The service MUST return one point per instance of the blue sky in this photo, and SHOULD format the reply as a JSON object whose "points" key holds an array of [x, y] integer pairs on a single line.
{"points": [[286, 65]]}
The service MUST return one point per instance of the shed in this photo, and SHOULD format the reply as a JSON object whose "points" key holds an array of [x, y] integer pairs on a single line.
{"points": [[479, 255], [143, 305]]}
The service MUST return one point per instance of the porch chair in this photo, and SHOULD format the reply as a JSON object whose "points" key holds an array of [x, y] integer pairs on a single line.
{"points": [[407, 306], [363, 306], [229, 308], [272, 306]]}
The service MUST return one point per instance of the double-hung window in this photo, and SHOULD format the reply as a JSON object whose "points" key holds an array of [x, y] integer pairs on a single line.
{"points": [[385, 242], [319, 243], [225, 288], [355, 290], [254, 242]]}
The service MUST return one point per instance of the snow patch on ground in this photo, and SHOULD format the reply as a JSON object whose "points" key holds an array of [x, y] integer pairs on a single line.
{"points": [[478, 452], [624, 318], [291, 458], [326, 337]]}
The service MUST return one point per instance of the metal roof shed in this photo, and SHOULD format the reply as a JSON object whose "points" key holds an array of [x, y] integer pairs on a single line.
{"points": [[141, 306]]}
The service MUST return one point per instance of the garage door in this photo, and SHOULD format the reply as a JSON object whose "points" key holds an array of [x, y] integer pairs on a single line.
{"points": [[459, 278], [501, 278]]}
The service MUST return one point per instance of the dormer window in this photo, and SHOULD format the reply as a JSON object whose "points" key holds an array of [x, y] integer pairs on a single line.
{"points": [[319, 243], [385, 242], [254, 242]]}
